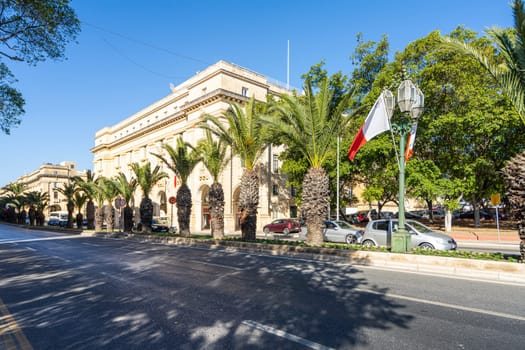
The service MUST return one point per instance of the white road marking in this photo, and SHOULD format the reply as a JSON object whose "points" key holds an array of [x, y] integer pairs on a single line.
{"points": [[216, 265], [283, 334], [38, 239], [450, 306]]}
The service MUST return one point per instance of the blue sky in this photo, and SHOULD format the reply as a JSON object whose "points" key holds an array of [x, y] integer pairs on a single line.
{"points": [[130, 51]]}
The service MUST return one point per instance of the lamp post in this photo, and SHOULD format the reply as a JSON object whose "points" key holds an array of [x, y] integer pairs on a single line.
{"points": [[410, 101]]}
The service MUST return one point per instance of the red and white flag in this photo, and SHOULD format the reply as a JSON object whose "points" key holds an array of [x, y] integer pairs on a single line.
{"points": [[375, 123], [409, 151]]}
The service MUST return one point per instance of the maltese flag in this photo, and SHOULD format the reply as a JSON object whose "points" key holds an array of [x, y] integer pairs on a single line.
{"points": [[375, 123], [410, 143]]}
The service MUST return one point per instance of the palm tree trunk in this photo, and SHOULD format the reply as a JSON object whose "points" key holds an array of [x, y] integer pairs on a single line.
{"points": [[99, 218], [70, 209], [514, 175], [146, 214], [90, 215], [184, 204], [316, 198], [32, 215], [79, 220], [109, 217], [248, 202], [217, 210], [128, 218]]}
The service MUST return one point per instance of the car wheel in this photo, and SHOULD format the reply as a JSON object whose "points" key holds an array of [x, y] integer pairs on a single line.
{"points": [[266, 230], [369, 243], [426, 246], [350, 239], [286, 231]]}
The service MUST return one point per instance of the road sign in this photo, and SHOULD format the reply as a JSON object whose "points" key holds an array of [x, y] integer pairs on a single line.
{"points": [[495, 200], [172, 200]]}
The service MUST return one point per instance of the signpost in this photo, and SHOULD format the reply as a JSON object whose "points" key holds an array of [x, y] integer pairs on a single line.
{"points": [[495, 201], [172, 201]]}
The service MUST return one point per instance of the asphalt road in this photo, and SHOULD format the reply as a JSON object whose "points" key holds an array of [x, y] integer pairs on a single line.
{"points": [[72, 292]]}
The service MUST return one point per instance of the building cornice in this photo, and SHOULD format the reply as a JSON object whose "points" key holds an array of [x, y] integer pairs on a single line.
{"points": [[209, 98]]}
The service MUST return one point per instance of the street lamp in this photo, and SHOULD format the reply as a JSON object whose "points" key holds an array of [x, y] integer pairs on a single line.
{"points": [[411, 101]]}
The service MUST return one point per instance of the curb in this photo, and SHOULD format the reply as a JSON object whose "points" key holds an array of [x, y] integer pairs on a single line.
{"points": [[494, 271]]}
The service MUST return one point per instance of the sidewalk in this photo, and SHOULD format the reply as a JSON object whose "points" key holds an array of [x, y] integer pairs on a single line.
{"points": [[483, 234]]}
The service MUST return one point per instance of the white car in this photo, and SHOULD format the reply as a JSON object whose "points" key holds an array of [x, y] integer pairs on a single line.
{"points": [[379, 233], [338, 232]]}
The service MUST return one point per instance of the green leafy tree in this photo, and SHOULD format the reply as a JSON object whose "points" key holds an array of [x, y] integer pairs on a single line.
{"points": [[246, 134], [309, 123], [213, 154], [469, 129], [146, 179], [30, 31], [508, 70], [422, 180]]}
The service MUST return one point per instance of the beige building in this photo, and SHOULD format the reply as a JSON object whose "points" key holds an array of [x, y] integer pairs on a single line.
{"points": [[48, 178], [211, 91]]}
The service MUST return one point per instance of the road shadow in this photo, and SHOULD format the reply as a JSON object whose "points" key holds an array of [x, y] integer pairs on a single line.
{"points": [[114, 295]]}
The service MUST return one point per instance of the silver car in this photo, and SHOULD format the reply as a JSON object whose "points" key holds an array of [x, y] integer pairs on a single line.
{"points": [[337, 231], [379, 233]]}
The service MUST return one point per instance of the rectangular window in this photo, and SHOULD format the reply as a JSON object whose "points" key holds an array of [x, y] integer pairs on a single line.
{"points": [[275, 190], [244, 91], [275, 163], [275, 211], [293, 191]]}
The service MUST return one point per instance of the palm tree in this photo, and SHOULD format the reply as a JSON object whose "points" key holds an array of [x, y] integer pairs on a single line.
{"points": [[247, 136], [37, 202], [97, 191], [309, 124], [146, 179], [87, 186], [181, 162], [508, 69], [69, 191], [109, 192], [17, 200], [79, 200], [213, 156], [126, 188]]}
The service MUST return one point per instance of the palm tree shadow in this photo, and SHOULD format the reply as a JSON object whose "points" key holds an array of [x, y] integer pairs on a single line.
{"points": [[136, 301]]}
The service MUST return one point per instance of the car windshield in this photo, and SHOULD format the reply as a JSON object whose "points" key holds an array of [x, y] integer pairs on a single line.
{"points": [[344, 224], [418, 227]]}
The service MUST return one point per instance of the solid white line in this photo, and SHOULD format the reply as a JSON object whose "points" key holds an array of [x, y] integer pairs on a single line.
{"points": [[450, 306], [217, 265], [39, 239], [440, 275], [286, 335]]}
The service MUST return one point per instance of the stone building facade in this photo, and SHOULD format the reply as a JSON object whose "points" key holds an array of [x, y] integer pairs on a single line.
{"points": [[210, 91], [48, 178]]}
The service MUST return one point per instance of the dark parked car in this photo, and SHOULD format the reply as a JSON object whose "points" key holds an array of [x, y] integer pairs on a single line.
{"points": [[470, 215], [285, 226]]}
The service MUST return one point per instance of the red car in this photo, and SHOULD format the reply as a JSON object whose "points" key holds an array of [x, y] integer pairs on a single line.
{"points": [[285, 226]]}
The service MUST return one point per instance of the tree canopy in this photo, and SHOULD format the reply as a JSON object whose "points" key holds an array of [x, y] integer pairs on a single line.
{"points": [[30, 31]]}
